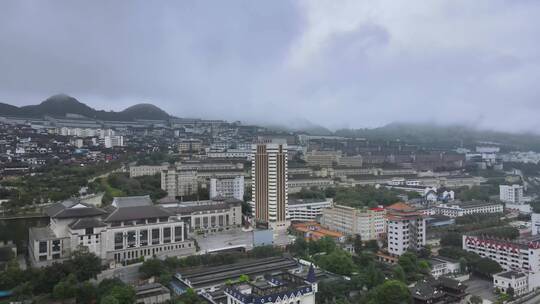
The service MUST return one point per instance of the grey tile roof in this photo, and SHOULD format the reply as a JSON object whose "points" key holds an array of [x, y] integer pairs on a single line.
{"points": [[137, 213], [74, 209], [84, 223]]}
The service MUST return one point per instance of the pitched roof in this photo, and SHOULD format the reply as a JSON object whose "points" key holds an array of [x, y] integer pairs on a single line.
{"points": [[74, 209], [84, 223], [400, 206], [137, 213]]}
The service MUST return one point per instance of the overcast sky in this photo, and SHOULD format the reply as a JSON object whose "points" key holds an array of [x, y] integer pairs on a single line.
{"points": [[334, 63]]}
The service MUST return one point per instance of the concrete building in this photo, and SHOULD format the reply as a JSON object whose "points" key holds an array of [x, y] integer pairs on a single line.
{"points": [[461, 209], [270, 185], [406, 229], [370, 223], [153, 293], [209, 215], [282, 288], [296, 185], [179, 182], [227, 187], [520, 255], [535, 223], [322, 158], [113, 141], [307, 209], [505, 280], [135, 171], [132, 228], [313, 231], [512, 194], [441, 266]]}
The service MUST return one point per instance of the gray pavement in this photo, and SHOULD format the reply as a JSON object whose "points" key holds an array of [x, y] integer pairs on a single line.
{"points": [[482, 288]]}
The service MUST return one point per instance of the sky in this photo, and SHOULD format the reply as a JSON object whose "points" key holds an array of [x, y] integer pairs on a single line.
{"points": [[339, 64]]}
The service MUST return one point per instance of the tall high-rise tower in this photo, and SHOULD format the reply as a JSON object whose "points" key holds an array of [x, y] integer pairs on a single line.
{"points": [[269, 184]]}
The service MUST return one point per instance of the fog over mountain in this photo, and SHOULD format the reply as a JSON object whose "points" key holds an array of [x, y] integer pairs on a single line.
{"points": [[331, 63]]}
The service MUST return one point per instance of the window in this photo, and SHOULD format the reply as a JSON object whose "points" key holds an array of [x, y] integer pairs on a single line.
{"points": [[118, 241], [167, 235], [56, 256], [152, 220], [42, 257], [42, 247], [143, 234], [56, 245], [89, 231], [155, 236], [131, 240], [178, 233], [197, 222]]}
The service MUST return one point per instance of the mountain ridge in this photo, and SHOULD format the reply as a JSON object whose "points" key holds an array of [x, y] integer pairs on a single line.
{"points": [[62, 104]]}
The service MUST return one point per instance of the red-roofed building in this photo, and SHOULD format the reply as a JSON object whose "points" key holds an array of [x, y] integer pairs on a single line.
{"points": [[314, 231]]}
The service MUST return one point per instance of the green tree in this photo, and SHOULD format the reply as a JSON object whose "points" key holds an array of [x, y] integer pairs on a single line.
{"points": [[66, 288], [109, 299], [357, 243], [374, 276], [399, 274], [151, 267], [338, 261], [85, 264], [86, 293], [124, 294], [390, 292]]}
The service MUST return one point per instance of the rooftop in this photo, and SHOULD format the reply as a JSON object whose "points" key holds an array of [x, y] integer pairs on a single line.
{"points": [[73, 209], [511, 274]]}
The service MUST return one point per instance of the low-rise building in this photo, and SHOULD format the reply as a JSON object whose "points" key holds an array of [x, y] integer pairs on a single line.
{"points": [[521, 255], [442, 266], [227, 187], [152, 293], [518, 281], [282, 288], [314, 231], [132, 228], [307, 209], [460, 209], [296, 185], [135, 171], [212, 215], [370, 223]]}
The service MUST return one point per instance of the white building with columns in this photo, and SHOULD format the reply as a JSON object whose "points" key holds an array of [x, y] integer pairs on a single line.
{"points": [[131, 229]]}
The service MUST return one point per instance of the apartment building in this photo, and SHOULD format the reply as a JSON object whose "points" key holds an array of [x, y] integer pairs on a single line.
{"points": [[296, 185], [512, 194], [461, 209], [406, 229], [368, 222], [130, 229], [270, 184], [307, 209], [179, 182], [227, 187], [135, 171], [520, 255], [322, 158]]}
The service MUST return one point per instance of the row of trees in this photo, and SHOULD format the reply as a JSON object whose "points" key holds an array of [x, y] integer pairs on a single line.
{"points": [[61, 279]]}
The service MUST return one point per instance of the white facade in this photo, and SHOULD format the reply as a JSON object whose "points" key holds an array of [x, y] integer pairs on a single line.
{"points": [[296, 185], [456, 210], [179, 182], [442, 267], [113, 141], [307, 210], [535, 223], [512, 194], [406, 229], [135, 171], [227, 187], [370, 223], [518, 281], [511, 255], [142, 231]]}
